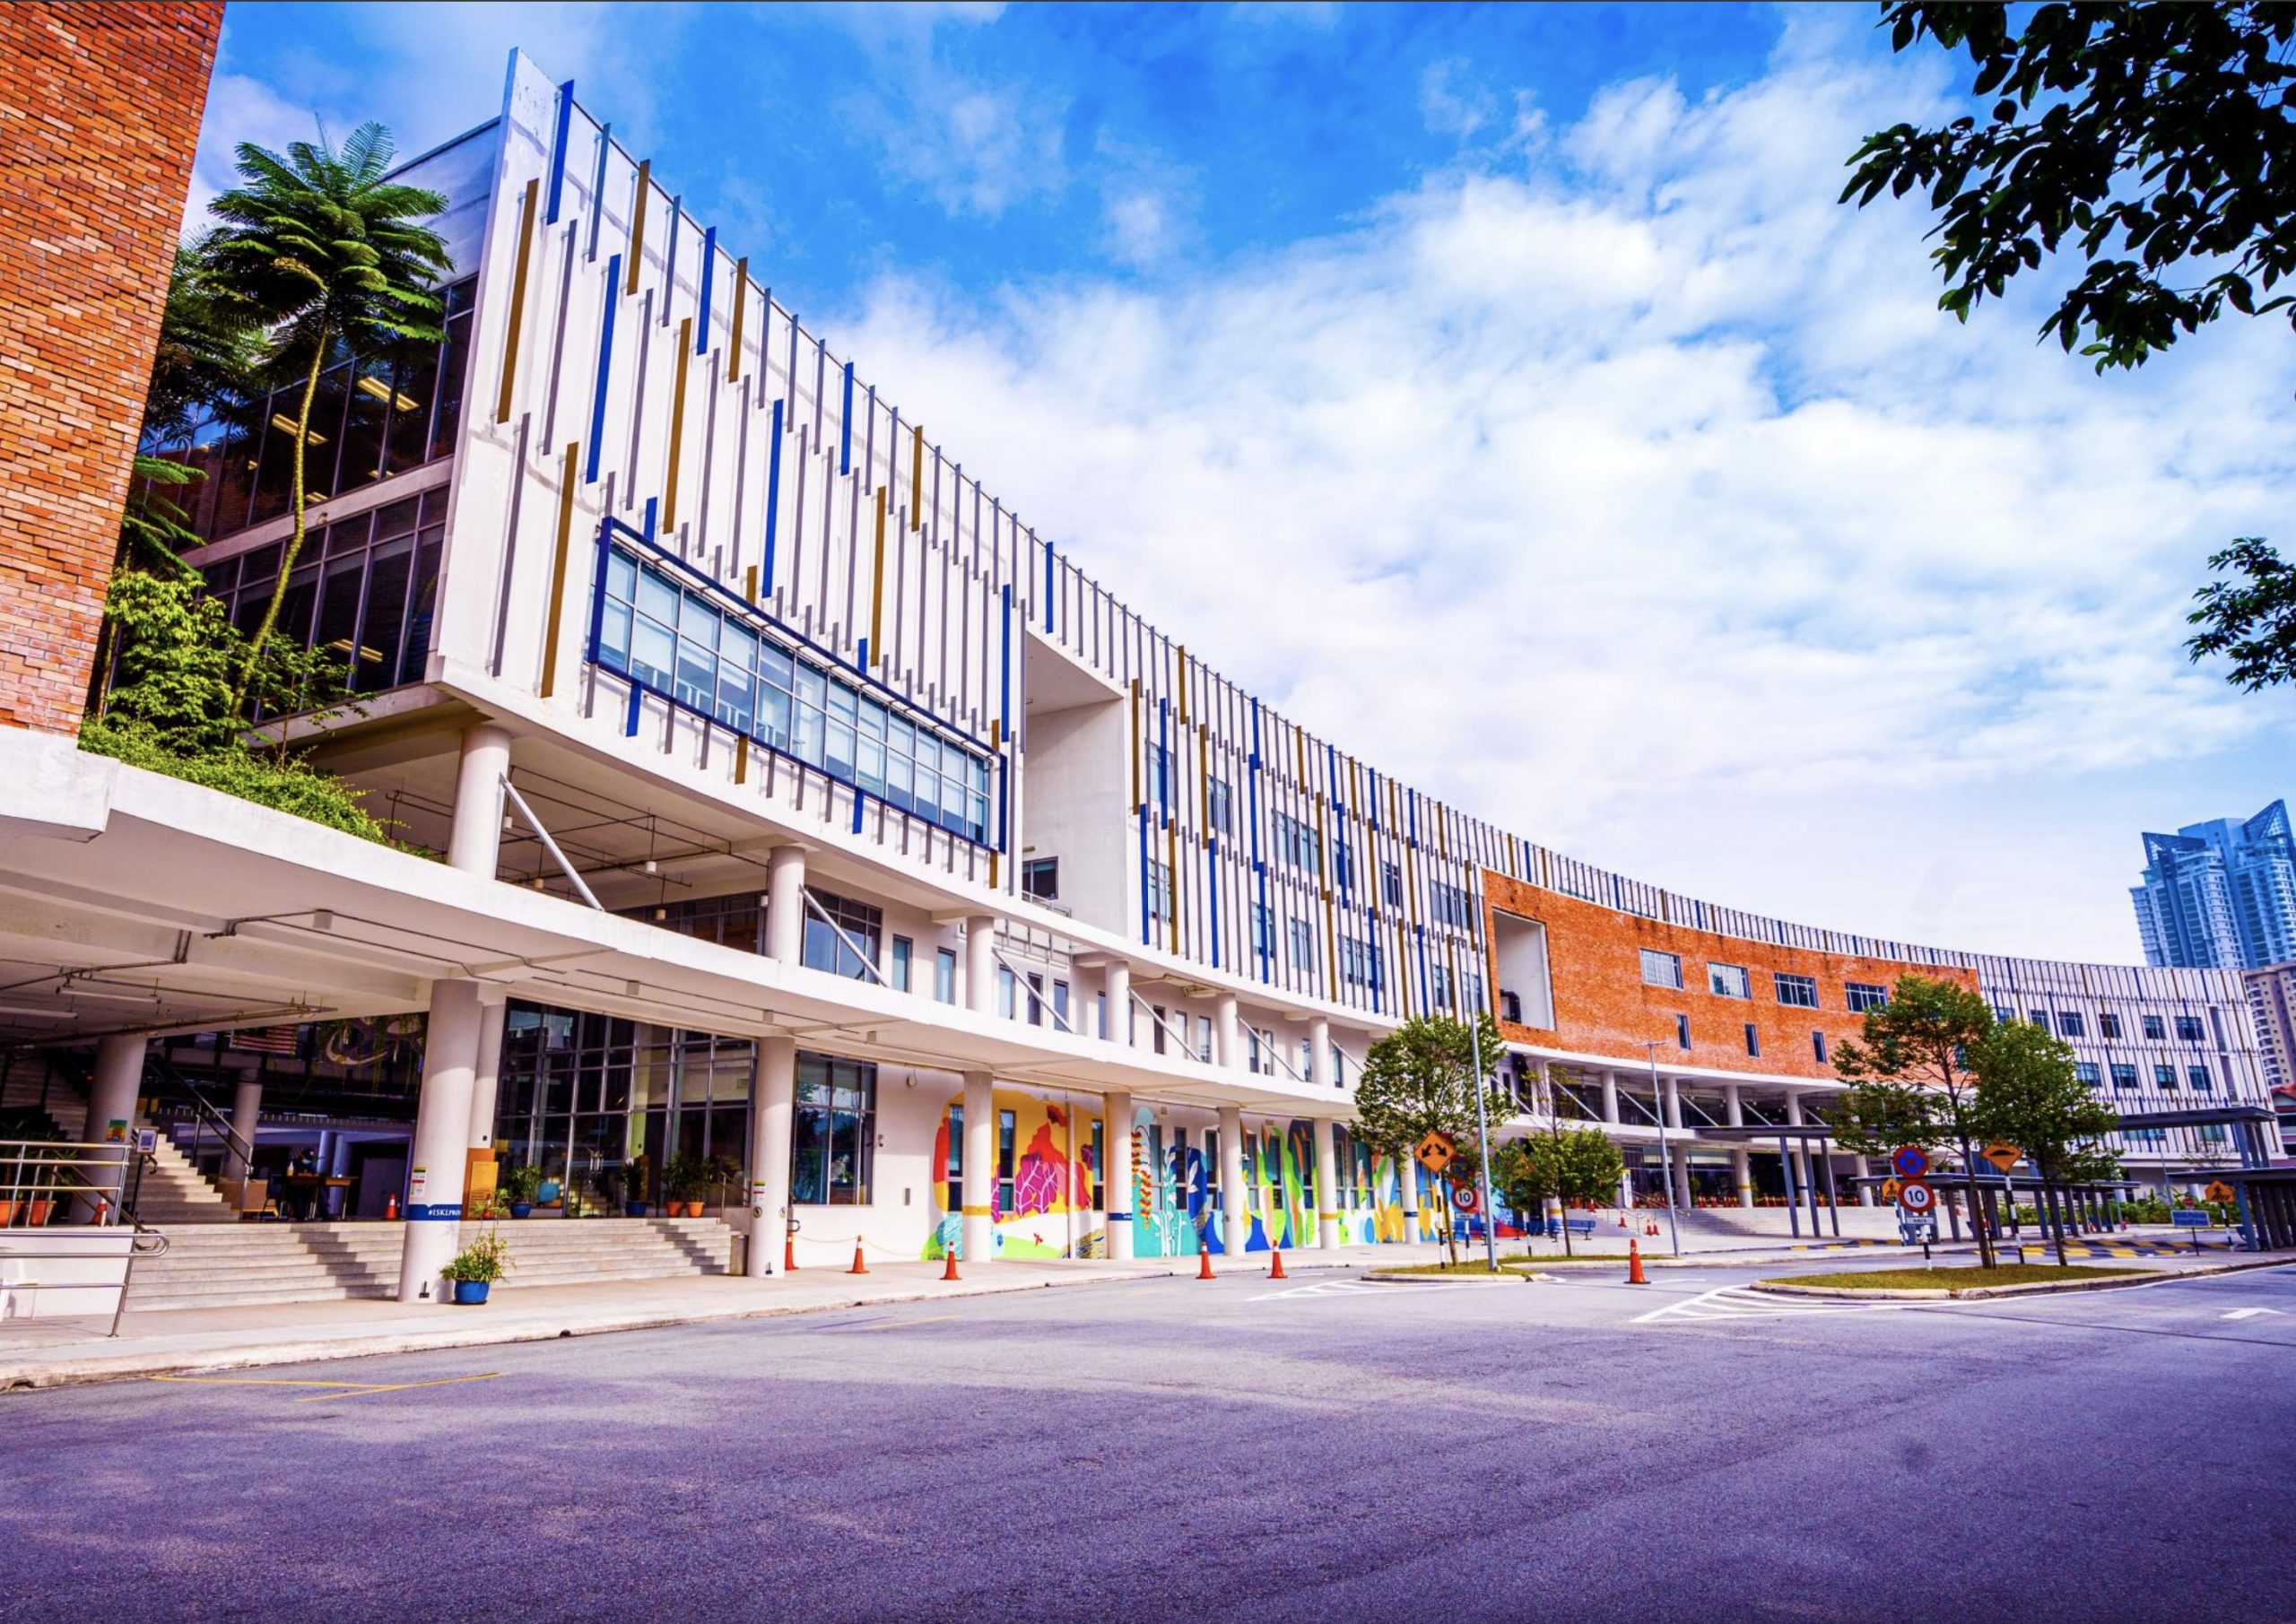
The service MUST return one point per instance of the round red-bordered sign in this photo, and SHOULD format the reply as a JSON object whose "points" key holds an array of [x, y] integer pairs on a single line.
{"points": [[1910, 1161], [1465, 1198], [1917, 1198]]}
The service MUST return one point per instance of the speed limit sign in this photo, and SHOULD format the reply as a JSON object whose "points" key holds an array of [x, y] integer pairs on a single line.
{"points": [[1917, 1198], [1465, 1197]]}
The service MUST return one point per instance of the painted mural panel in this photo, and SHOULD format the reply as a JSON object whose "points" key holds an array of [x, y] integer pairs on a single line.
{"points": [[1040, 1190]]}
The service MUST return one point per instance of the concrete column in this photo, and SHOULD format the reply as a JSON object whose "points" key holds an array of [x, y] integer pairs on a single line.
{"points": [[1733, 1105], [1865, 1169], [773, 1104], [1801, 1156], [980, 1165], [1117, 982], [1326, 1189], [1117, 1180], [1320, 1071], [1609, 1097], [1235, 1214], [486, 1076], [980, 974], [1741, 1169], [474, 841], [1227, 1032], [111, 1097], [434, 1194], [785, 905], [1407, 1181], [1678, 1150], [246, 1111]]}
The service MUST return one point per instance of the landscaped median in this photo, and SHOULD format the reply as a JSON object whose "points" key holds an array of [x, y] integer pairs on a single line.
{"points": [[2009, 1279], [1519, 1267]]}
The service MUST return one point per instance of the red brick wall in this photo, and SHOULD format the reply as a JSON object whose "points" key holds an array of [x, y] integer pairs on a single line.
{"points": [[1602, 1007], [99, 107]]}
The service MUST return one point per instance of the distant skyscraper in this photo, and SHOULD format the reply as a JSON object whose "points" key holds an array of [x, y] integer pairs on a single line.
{"points": [[2221, 894]]}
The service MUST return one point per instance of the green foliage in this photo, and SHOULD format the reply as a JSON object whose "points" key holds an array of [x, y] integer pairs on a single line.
{"points": [[486, 1259], [2029, 1095], [521, 1183], [285, 784], [1874, 1117], [2154, 142], [208, 349], [323, 251], [1568, 1165], [2251, 618], [1420, 1079], [686, 1176]]}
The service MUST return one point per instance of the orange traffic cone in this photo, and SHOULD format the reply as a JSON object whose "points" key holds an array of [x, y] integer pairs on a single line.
{"points": [[789, 1255], [1634, 1263], [949, 1268], [1204, 1261], [858, 1266], [1276, 1265], [390, 1209]]}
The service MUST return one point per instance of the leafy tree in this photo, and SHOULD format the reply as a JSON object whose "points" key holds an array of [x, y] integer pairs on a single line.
{"points": [[2156, 143], [208, 350], [327, 254], [2028, 1094], [1920, 1041], [1421, 1079], [1567, 1166]]}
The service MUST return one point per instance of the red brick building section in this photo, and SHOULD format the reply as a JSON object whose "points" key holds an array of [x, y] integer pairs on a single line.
{"points": [[1602, 1005], [100, 108]]}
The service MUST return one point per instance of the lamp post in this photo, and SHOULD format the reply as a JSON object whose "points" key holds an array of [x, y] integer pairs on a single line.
{"points": [[1483, 1143], [1665, 1159]]}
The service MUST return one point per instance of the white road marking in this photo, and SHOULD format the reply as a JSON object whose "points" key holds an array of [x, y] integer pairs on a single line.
{"points": [[1322, 1288], [2250, 1313], [1739, 1302]]}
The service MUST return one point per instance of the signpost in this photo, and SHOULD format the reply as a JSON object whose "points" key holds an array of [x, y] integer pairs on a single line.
{"points": [[2195, 1219], [1909, 1162]]}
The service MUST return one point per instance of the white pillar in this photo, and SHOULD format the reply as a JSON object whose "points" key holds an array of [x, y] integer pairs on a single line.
{"points": [[980, 1166], [111, 1097], [1407, 1182], [1801, 1156], [1227, 1033], [1326, 1188], [1733, 1106], [246, 1112], [486, 1075], [434, 1198], [474, 842], [981, 980], [773, 1101], [1609, 1097], [1677, 1147], [1865, 1169], [1235, 1219], [1741, 1169], [1118, 1182], [785, 905], [1319, 1066], [1116, 983]]}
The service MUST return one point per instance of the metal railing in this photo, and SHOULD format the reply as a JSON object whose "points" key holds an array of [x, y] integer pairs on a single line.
{"points": [[43, 1179], [206, 1119]]}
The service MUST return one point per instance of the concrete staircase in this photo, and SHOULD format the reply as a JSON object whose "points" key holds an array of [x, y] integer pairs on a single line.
{"points": [[248, 1264], [174, 1192]]}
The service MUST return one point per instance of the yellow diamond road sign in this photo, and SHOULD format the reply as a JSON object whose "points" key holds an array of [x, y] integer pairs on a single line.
{"points": [[2219, 1192], [1889, 1188], [1435, 1152], [2002, 1156]]}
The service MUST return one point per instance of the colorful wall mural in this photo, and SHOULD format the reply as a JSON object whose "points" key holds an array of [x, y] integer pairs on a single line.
{"points": [[1040, 1190]]}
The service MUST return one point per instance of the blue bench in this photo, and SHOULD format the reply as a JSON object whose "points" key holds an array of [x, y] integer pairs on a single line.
{"points": [[1582, 1227]]}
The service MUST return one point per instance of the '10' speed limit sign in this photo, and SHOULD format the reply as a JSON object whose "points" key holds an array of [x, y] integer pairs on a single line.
{"points": [[1917, 1198]]}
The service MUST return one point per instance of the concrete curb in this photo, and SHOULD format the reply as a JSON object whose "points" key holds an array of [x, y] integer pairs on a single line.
{"points": [[2144, 1277], [1504, 1277]]}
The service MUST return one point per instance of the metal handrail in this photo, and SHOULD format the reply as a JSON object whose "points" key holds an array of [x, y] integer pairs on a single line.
{"points": [[111, 1195], [203, 1115]]}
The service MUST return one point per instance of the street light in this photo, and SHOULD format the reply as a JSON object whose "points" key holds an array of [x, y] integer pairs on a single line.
{"points": [[1665, 1160], [1483, 1143]]}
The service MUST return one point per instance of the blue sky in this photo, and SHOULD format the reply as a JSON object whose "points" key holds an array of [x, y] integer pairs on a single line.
{"points": [[1499, 390]]}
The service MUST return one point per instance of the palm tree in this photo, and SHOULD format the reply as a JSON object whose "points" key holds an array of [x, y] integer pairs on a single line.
{"points": [[206, 355], [327, 253]]}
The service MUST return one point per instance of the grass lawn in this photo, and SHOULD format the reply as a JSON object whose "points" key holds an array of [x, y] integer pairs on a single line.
{"points": [[1955, 1279]]}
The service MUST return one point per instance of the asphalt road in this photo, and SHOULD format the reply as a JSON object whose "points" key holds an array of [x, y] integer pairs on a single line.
{"points": [[1176, 1450]]}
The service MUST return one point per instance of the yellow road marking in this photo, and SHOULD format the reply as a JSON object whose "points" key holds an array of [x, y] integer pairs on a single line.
{"points": [[332, 1389], [903, 1324], [251, 1381], [364, 1389]]}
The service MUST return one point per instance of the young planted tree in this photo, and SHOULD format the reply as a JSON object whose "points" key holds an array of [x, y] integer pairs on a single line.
{"points": [[330, 257], [2028, 1094], [1421, 1079], [1563, 1165], [1914, 1069]]}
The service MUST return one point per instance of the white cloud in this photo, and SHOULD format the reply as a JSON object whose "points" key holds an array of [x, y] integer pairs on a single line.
{"points": [[1642, 502]]}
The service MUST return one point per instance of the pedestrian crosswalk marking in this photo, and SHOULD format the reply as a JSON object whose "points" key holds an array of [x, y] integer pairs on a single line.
{"points": [[1741, 1302]]}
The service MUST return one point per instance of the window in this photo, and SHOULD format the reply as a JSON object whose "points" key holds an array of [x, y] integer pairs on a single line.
{"points": [[2069, 1024], [1753, 1040], [1359, 963], [1451, 905], [2109, 1024], [735, 921], [2198, 1077], [1296, 844], [2084, 1072], [1863, 995], [1682, 1031], [1818, 1046], [944, 974], [1727, 981], [1160, 776], [2145, 1136], [833, 1132], [904, 951], [1800, 990], [1343, 866], [2124, 1076], [2188, 1029], [1391, 883], [2155, 1029], [1438, 985], [1662, 969], [1005, 992], [2040, 1017], [1303, 945], [1510, 1006], [674, 638], [1159, 891], [1159, 1029], [1263, 930], [2164, 1078], [1203, 1039], [2211, 1133], [1040, 877], [1220, 804], [1006, 1133], [2002, 1015], [831, 948]]}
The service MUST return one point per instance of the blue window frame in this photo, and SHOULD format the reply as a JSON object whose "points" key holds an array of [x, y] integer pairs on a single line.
{"points": [[672, 639]]}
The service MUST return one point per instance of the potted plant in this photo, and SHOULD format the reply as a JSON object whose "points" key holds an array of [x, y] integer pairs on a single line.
{"points": [[635, 1204], [519, 1188], [478, 1266], [686, 1176]]}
